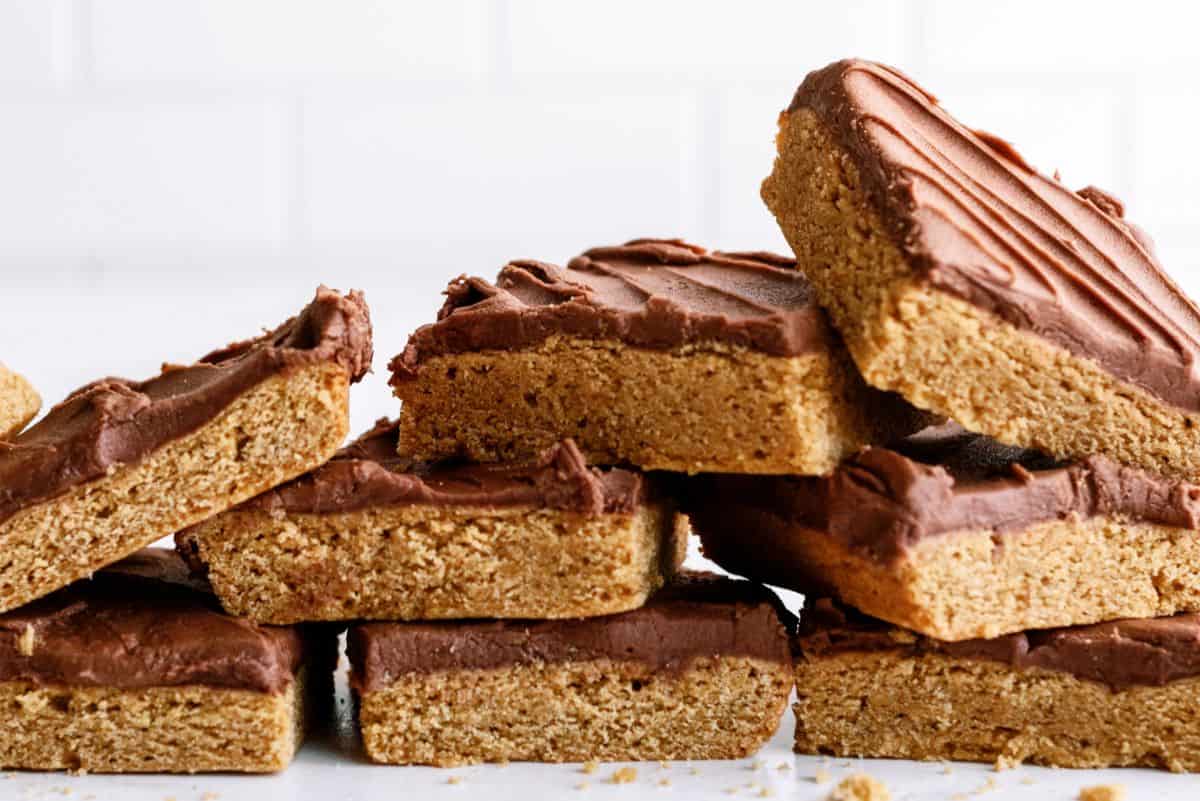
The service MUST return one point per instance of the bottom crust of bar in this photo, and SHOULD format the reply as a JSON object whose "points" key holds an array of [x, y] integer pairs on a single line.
{"points": [[187, 729], [979, 584], [714, 708], [936, 707], [712, 409], [282, 427], [19, 403], [428, 563]]}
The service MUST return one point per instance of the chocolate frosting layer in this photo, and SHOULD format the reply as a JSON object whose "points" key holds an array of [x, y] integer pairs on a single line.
{"points": [[883, 501], [649, 293], [368, 472], [144, 622], [976, 221], [697, 615], [1121, 654], [114, 421]]}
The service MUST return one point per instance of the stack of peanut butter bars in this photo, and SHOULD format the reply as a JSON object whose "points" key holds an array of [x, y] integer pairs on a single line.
{"points": [[963, 419]]}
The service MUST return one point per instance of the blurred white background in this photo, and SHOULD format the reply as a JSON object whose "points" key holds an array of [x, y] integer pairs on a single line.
{"points": [[176, 174]]}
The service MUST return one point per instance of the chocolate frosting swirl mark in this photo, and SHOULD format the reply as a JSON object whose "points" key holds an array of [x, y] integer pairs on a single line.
{"points": [[977, 222], [115, 421], [369, 473], [1122, 654], [649, 293], [144, 622]]}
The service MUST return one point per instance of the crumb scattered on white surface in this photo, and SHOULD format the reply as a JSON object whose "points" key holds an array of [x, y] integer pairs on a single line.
{"points": [[1103, 792], [590, 767], [624, 776], [454, 780], [821, 776], [860, 787]]}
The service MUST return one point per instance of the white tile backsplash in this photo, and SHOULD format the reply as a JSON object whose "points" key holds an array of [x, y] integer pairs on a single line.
{"points": [[144, 143], [231, 41]]}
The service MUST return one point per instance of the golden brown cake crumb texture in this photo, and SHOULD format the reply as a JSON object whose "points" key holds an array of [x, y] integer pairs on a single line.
{"points": [[715, 408], [1062, 573], [1103, 792], [188, 729], [283, 427], [19, 403], [716, 708], [423, 562], [860, 787], [934, 707], [942, 353]]}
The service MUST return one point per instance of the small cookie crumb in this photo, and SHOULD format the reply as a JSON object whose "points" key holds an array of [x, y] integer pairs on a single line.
{"points": [[783, 766], [821, 776], [860, 787], [1027, 780], [730, 791], [947, 769], [986, 787], [590, 767], [581, 786], [454, 780], [757, 764], [624, 776], [664, 764], [1103, 792], [766, 792], [664, 782], [210, 796], [694, 771]]}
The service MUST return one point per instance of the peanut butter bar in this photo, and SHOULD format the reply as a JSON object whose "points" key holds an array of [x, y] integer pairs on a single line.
{"points": [[656, 353], [978, 288], [19, 403], [1119, 694], [376, 536], [120, 464], [957, 537], [702, 671], [137, 670]]}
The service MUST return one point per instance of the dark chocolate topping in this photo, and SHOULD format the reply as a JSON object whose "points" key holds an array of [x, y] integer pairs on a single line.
{"points": [[697, 615], [114, 421], [144, 622], [369, 472], [976, 221], [649, 293], [883, 501], [1123, 653]]}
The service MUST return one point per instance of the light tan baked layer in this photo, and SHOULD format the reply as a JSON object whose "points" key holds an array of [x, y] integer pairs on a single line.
{"points": [[716, 708], [423, 562], [19, 403], [281, 428], [966, 585], [717, 408], [942, 353], [188, 729], [935, 707]]}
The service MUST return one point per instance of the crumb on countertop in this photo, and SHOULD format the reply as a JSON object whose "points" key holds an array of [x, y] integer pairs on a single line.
{"points": [[860, 787], [821, 776], [624, 776], [1103, 792], [590, 766], [454, 780]]}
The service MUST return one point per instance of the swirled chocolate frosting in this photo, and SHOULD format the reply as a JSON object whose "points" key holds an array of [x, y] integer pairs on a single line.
{"points": [[144, 622], [1121, 654], [648, 293], [115, 421], [369, 473], [697, 615], [976, 221], [883, 501]]}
